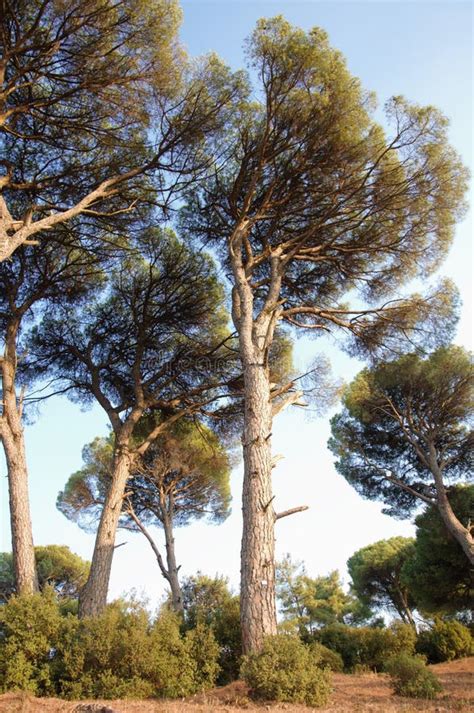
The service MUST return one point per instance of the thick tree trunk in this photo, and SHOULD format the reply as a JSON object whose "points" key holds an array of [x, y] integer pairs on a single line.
{"points": [[12, 436], [453, 525], [173, 569], [93, 597], [257, 572], [258, 609]]}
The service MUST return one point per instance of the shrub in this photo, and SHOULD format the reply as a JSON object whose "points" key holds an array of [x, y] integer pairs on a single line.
{"points": [[327, 658], [119, 654], [286, 670], [30, 631], [209, 601], [204, 650], [445, 641], [368, 647], [343, 640], [109, 656], [410, 677]]}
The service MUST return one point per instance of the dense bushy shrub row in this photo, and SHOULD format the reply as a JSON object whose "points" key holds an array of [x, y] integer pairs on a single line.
{"points": [[122, 654], [46, 650], [445, 641], [368, 647]]}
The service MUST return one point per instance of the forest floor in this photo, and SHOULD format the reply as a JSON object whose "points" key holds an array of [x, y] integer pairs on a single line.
{"points": [[353, 693]]}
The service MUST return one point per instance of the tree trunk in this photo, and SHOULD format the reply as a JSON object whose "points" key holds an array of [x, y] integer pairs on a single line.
{"points": [[93, 597], [12, 436], [453, 525], [258, 609], [176, 594]]}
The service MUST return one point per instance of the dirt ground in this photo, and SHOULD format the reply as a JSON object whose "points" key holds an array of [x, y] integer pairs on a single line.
{"points": [[352, 694]]}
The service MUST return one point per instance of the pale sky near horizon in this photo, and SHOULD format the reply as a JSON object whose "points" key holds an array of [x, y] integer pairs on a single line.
{"points": [[422, 50]]}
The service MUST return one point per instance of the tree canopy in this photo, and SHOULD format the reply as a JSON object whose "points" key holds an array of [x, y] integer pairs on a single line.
{"points": [[98, 105], [183, 476], [376, 573], [436, 574], [405, 434]]}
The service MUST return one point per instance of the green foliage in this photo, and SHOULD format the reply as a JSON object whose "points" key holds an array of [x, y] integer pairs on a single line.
{"points": [[410, 677], [436, 574], [57, 568], [120, 654], [390, 192], [308, 602], [286, 670], [368, 646], [445, 641], [209, 601], [376, 575], [327, 658], [31, 628], [388, 462], [183, 476]]}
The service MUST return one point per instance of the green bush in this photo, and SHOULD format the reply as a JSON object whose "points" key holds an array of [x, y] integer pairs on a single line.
{"points": [[368, 648], [286, 670], [445, 641], [327, 658], [30, 631], [209, 601], [410, 677], [120, 654], [110, 655]]}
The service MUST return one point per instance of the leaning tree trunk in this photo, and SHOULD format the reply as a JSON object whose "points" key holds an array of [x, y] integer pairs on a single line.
{"points": [[93, 597], [12, 436], [453, 525], [258, 608], [173, 569], [170, 574]]}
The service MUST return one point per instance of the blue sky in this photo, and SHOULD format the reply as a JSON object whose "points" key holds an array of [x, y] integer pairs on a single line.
{"points": [[422, 50]]}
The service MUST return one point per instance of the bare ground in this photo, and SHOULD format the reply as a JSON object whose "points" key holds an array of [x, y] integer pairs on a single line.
{"points": [[362, 693]]}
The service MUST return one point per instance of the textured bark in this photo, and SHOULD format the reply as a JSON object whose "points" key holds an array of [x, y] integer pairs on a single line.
{"points": [[257, 573], [258, 609], [12, 436], [453, 525], [93, 597]]}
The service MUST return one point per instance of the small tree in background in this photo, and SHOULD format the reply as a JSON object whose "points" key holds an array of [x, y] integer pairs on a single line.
{"points": [[312, 602], [436, 574], [183, 476], [376, 573], [405, 434], [57, 567]]}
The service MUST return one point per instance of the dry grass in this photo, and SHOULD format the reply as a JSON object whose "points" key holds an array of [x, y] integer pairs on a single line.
{"points": [[366, 693]]}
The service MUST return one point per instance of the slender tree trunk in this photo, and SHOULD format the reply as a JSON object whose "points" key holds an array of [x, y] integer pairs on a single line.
{"points": [[258, 608], [404, 609], [453, 525], [170, 574], [12, 436], [173, 569], [93, 597]]}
